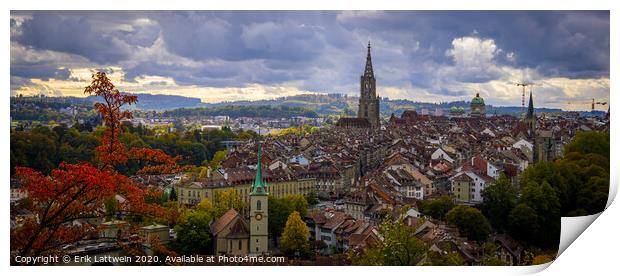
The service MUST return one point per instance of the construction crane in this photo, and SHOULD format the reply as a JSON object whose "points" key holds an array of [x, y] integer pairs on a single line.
{"points": [[593, 103], [523, 84]]}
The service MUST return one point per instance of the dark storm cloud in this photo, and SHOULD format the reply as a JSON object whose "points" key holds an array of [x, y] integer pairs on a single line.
{"points": [[319, 49], [39, 71], [574, 43], [76, 35]]}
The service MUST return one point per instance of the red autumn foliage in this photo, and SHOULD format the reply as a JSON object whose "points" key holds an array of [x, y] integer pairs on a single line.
{"points": [[111, 151], [75, 193]]}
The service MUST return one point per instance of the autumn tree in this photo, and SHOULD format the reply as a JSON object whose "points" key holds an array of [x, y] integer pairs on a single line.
{"points": [[111, 150], [226, 200], [280, 208], [217, 159], [74, 192], [295, 235]]}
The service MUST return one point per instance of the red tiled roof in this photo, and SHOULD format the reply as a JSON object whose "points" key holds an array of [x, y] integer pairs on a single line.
{"points": [[224, 220]]}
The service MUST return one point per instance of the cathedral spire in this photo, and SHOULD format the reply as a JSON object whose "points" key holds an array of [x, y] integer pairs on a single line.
{"points": [[368, 72], [530, 108]]}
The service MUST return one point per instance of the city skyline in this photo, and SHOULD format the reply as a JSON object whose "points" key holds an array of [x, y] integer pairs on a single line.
{"points": [[225, 56]]}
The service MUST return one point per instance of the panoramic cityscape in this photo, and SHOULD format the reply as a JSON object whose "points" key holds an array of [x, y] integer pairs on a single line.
{"points": [[395, 138]]}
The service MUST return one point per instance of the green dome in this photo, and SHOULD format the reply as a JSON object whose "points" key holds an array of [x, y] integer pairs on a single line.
{"points": [[477, 100]]}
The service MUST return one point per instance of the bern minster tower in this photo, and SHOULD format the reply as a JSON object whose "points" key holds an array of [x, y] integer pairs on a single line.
{"points": [[369, 102], [258, 211]]}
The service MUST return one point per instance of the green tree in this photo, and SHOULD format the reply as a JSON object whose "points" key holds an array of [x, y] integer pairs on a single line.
{"points": [[295, 235], [523, 223], [449, 259], [542, 199], [173, 195], [490, 255], [280, 208], [499, 199], [312, 198], [589, 142], [399, 246], [193, 233], [470, 222], [437, 208]]}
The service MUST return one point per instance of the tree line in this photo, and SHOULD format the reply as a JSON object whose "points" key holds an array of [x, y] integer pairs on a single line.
{"points": [[44, 148], [236, 111]]}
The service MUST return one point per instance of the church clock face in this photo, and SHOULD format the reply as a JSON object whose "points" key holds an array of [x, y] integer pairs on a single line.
{"points": [[258, 217]]}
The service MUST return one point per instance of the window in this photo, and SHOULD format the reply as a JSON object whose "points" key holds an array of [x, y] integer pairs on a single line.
{"points": [[239, 245], [258, 205]]}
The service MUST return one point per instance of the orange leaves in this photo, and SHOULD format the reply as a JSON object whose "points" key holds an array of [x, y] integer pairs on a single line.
{"points": [[71, 200], [69, 181], [102, 86], [156, 161]]}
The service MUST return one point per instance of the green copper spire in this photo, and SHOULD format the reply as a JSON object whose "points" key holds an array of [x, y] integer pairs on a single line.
{"points": [[259, 187]]}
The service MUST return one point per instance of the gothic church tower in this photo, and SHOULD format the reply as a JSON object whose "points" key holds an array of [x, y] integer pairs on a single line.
{"points": [[369, 102], [530, 119], [258, 212]]}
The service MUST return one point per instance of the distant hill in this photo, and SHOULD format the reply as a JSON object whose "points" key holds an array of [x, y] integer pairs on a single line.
{"points": [[236, 111], [160, 102], [336, 104], [307, 105]]}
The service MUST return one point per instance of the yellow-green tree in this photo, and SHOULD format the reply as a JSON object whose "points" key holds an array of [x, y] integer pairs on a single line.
{"points": [[225, 200], [295, 235], [217, 159], [204, 172]]}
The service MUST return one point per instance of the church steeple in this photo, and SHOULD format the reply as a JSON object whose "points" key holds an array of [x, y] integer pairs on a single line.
{"points": [[369, 101], [368, 72], [259, 212], [530, 108], [259, 187], [530, 119]]}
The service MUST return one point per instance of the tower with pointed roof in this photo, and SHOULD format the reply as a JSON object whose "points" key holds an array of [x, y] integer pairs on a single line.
{"points": [[530, 118], [369, 101], [258, 211]]}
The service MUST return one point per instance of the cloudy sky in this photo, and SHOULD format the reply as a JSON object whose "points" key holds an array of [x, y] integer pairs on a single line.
{"points": [[218, 56]]}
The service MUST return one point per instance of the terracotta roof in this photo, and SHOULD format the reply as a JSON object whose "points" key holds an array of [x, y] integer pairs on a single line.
{"points": [[239, 230], [224, 220]]}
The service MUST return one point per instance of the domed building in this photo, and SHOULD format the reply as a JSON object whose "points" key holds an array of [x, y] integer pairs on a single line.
{"points": [[457, 111], [477, 108]]}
